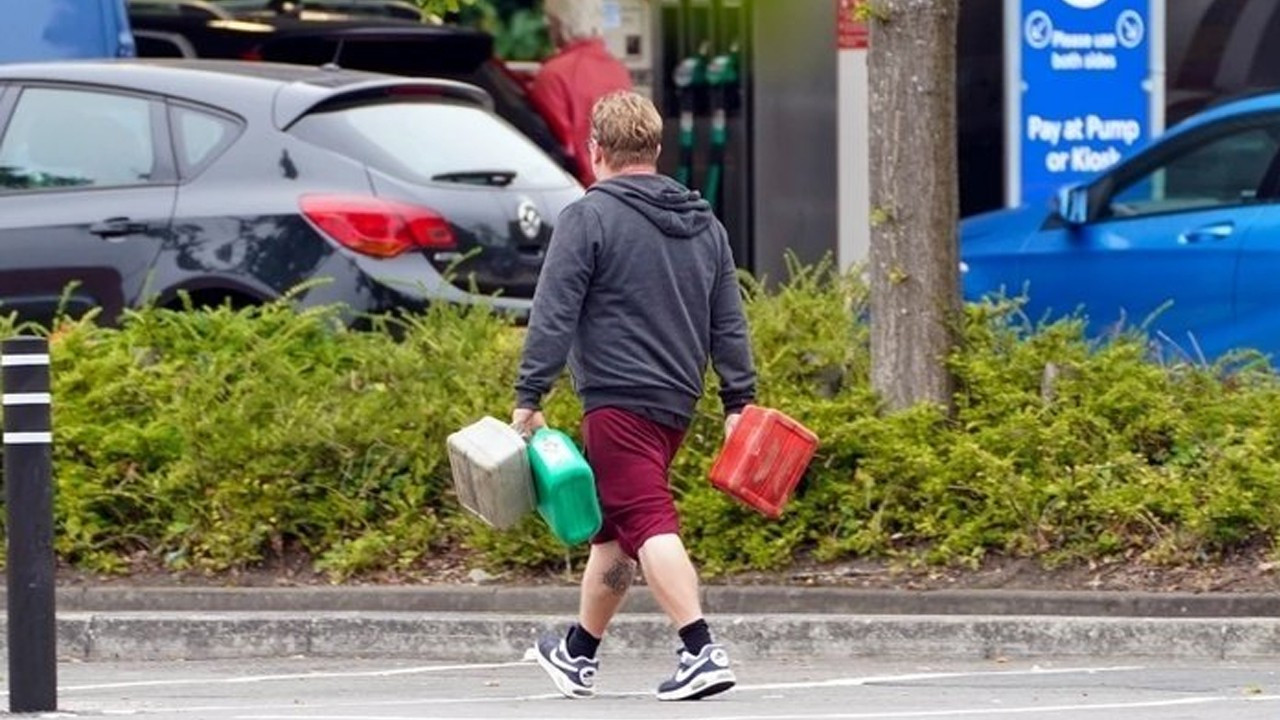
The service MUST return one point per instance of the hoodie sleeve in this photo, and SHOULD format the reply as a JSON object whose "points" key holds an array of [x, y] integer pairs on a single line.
{"points": [[730, 341], [557, 303]]}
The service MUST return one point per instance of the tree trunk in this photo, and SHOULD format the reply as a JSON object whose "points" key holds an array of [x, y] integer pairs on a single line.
{"points": [[915, 295]]}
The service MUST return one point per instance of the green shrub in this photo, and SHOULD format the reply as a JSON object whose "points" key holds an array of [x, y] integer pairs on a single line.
{"points": [[222, 438]]}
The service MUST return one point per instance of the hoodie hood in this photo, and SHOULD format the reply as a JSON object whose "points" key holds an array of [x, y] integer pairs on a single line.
{"points": [[674, 209]]}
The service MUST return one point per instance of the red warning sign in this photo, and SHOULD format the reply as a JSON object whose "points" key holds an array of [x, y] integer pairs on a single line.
{"points": [[851, 34]]}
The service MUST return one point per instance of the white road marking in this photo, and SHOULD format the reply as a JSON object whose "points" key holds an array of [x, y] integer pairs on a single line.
{"points": [[248, 679], [917, 677], [365, 704], [358, 704], [892, 715]]}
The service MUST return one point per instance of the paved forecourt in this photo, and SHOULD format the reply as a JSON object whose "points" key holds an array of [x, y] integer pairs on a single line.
{"points": [[863, 688]]}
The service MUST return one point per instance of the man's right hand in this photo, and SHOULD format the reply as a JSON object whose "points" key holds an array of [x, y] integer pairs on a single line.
{"points": [[527, 422]]}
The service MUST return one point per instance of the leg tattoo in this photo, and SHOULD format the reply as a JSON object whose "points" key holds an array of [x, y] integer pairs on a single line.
{"points": [[618, 577]]}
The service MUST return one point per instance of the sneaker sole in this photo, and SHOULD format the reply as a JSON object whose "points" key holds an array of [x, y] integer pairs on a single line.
{"points": [[566, 688], [708, 684]]}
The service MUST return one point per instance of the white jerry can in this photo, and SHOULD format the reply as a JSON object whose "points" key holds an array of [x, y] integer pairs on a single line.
{"points": [[491, 476]]}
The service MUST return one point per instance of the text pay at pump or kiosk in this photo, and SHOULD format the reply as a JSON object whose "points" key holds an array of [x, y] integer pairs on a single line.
{"points": [[1085, 89], [628, 35]]}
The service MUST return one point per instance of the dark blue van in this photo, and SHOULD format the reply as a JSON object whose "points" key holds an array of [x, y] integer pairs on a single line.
{"points": [[34, 30]]}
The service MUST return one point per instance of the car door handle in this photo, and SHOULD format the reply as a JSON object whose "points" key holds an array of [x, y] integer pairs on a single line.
{"points": [[1218, 231], [117, 227]]}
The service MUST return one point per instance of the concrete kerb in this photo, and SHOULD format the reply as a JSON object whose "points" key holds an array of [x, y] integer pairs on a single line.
{"points": [[497, 623], [492, 637]]}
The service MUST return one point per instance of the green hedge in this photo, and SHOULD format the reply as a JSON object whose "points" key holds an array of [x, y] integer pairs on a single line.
{"points": [[220, 439]]}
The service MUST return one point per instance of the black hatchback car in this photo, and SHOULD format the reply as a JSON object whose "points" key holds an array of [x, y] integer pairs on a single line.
{"points": [[133, 181]]}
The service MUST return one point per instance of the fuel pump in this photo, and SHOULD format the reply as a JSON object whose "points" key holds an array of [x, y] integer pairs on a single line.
{"points": [[722, 79], [690, 79]]}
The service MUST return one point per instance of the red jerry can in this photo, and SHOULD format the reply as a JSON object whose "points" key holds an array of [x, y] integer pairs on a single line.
{"points": [[763, 460]]}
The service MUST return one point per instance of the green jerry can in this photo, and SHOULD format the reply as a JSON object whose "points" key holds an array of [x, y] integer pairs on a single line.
{"points": [[565, 486]]}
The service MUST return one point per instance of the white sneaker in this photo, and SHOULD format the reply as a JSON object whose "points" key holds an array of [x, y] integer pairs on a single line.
{"points": [[699, 676], [574, 677]]}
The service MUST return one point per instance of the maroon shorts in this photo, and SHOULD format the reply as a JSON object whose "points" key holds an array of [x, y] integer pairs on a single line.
{"points": [[631, 456]]}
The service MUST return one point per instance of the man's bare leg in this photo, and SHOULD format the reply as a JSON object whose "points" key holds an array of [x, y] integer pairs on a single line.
{"points": [[605, 583], [571, 661], [704, 666], [671, 576]]}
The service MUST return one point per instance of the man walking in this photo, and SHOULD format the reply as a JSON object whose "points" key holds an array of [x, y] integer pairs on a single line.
{"points": [[638, 290]]}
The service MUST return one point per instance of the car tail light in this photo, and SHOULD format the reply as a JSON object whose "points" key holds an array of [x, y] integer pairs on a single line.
{"points": [[381, 228]]}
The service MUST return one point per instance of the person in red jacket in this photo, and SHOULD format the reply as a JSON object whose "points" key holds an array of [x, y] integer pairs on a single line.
{"points": [[579, 74]]}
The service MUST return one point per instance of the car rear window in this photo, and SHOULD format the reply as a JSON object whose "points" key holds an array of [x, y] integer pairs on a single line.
{"points": [[434, 142]]}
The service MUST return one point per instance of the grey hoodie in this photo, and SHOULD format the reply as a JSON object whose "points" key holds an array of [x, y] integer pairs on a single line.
{"points": [[638, 290]]}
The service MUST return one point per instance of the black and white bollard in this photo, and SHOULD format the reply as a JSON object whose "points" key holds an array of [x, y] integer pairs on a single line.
{"points": [[28, 484]]}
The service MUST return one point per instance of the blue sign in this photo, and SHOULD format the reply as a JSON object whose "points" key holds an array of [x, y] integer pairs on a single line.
{"points": [[1085, 101]]}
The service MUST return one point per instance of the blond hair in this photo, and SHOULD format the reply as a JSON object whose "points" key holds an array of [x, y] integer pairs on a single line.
{"points": [[627, 128], [579, 19]]}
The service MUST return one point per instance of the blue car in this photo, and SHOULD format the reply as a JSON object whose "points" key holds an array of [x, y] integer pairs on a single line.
{"points": [[32, 30], [1184, 235]]}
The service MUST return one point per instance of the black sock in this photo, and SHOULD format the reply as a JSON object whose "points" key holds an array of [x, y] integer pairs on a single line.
{"points": [[581, 643], [696, 635]]}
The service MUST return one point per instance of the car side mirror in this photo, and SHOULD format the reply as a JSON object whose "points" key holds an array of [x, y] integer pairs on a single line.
{"points": [[1072, 205]]}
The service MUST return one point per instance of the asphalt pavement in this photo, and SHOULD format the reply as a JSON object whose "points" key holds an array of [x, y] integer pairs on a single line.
{"points": [[857, 689], [435, 653]]}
